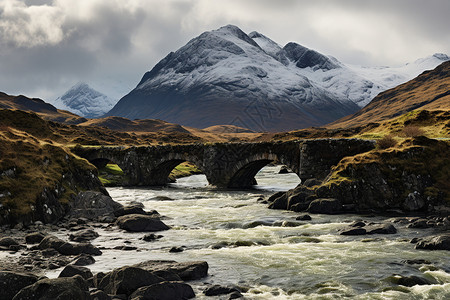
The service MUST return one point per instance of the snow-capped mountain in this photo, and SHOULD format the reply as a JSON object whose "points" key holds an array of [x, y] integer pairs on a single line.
{"points": [[228, 77], [84, 101]]}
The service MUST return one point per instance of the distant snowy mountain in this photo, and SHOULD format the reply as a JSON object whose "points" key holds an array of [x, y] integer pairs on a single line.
{"points": [[84, 101], [228, 77]]}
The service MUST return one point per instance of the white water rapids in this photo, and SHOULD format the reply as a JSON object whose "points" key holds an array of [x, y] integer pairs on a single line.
{"points": [[310, 261]]}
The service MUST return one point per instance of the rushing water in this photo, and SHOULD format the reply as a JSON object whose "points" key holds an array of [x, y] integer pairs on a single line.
{"points": [[310, 261]]}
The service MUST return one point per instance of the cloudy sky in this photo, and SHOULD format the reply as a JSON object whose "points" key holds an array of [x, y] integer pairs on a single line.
{"points": [[47, 46]]}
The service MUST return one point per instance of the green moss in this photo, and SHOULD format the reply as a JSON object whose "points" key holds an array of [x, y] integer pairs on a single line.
{"points": [[184, 169], [112, 175]]}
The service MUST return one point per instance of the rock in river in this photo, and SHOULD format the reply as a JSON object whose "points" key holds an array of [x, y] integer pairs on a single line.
{"points": [[441, 242], [141, 223], [11, 283], [168, 290]]}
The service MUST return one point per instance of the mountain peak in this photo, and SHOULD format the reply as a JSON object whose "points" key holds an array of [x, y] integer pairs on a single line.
{"points": [[83, 100], [441, 56]]}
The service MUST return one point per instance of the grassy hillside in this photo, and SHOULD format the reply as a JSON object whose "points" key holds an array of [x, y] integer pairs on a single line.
{"points": [[38, 177]]}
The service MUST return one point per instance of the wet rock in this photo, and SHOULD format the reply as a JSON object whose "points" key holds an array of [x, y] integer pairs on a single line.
{"points": [[141, 223], [291, 224], [58, 288], [216, 290], [304, 217], [7, 242], [151, 237], [84, 260], [126, 280], [358, 224], [412, 281], [441, 242], [278, 201], [185, 270], [125, 248], [325, 206], [421, 223], [243, 243], [72, 270], [93, 205], [83, 235], [169, 290], [66, 248], [34, 238], [131, 209], [381, 229], [235, 295], [11, 283], [354, 231], [220, 245], [256, 223], [176, 249]]}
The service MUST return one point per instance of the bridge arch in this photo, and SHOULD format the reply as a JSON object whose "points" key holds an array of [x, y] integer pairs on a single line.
{"points": [[162, 169], [243, 173]]}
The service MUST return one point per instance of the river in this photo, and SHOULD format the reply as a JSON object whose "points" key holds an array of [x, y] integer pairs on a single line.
{"points": [[310, 261]]}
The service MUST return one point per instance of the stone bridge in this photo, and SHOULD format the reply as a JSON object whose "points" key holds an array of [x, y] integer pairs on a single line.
{"points": [[226, 165]]}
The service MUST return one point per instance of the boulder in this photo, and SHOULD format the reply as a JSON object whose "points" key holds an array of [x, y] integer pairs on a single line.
{"points": [[7, 242], [441, 242], [141, 223], [284, 170], [381, 229], [168, 290], [34, 238], [412, 281], [66, 248], [84, 260], [354, 231], [151, 237], [58, 288], [325, 206], [72, 270], [84, 235], [216, 290], [304, 217], [126, 280], [186, 270], [93, 206], [11, 283], [128, 210]]}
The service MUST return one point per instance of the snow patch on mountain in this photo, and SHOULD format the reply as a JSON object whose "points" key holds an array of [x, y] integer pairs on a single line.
{"points": [[84, 101]]}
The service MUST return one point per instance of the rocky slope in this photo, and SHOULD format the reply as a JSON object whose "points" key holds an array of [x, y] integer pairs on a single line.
{"points": [[228, 77], [84, 101], [412, 176], [429, 91]]}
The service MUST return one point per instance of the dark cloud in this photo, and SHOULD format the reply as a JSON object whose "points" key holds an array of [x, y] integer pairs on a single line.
{"points": [[46, 46]]}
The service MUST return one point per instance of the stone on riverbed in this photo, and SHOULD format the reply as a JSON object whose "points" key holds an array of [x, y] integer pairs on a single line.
{"points": [[58, 288], [186, 270], [7, 242], [34, 238], [141, 223], [72, 270], [441, 242], [168, 290], [360, 228], [126, 280], [84, 260], [66, 248], [216, 290], [84, 235], [11, 283]]}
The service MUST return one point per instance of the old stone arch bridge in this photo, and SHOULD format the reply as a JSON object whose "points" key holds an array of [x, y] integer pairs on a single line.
{"points": [[226, 165]]}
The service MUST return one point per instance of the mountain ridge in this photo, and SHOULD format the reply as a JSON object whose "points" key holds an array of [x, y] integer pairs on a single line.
{"points": [[225, 76]]}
